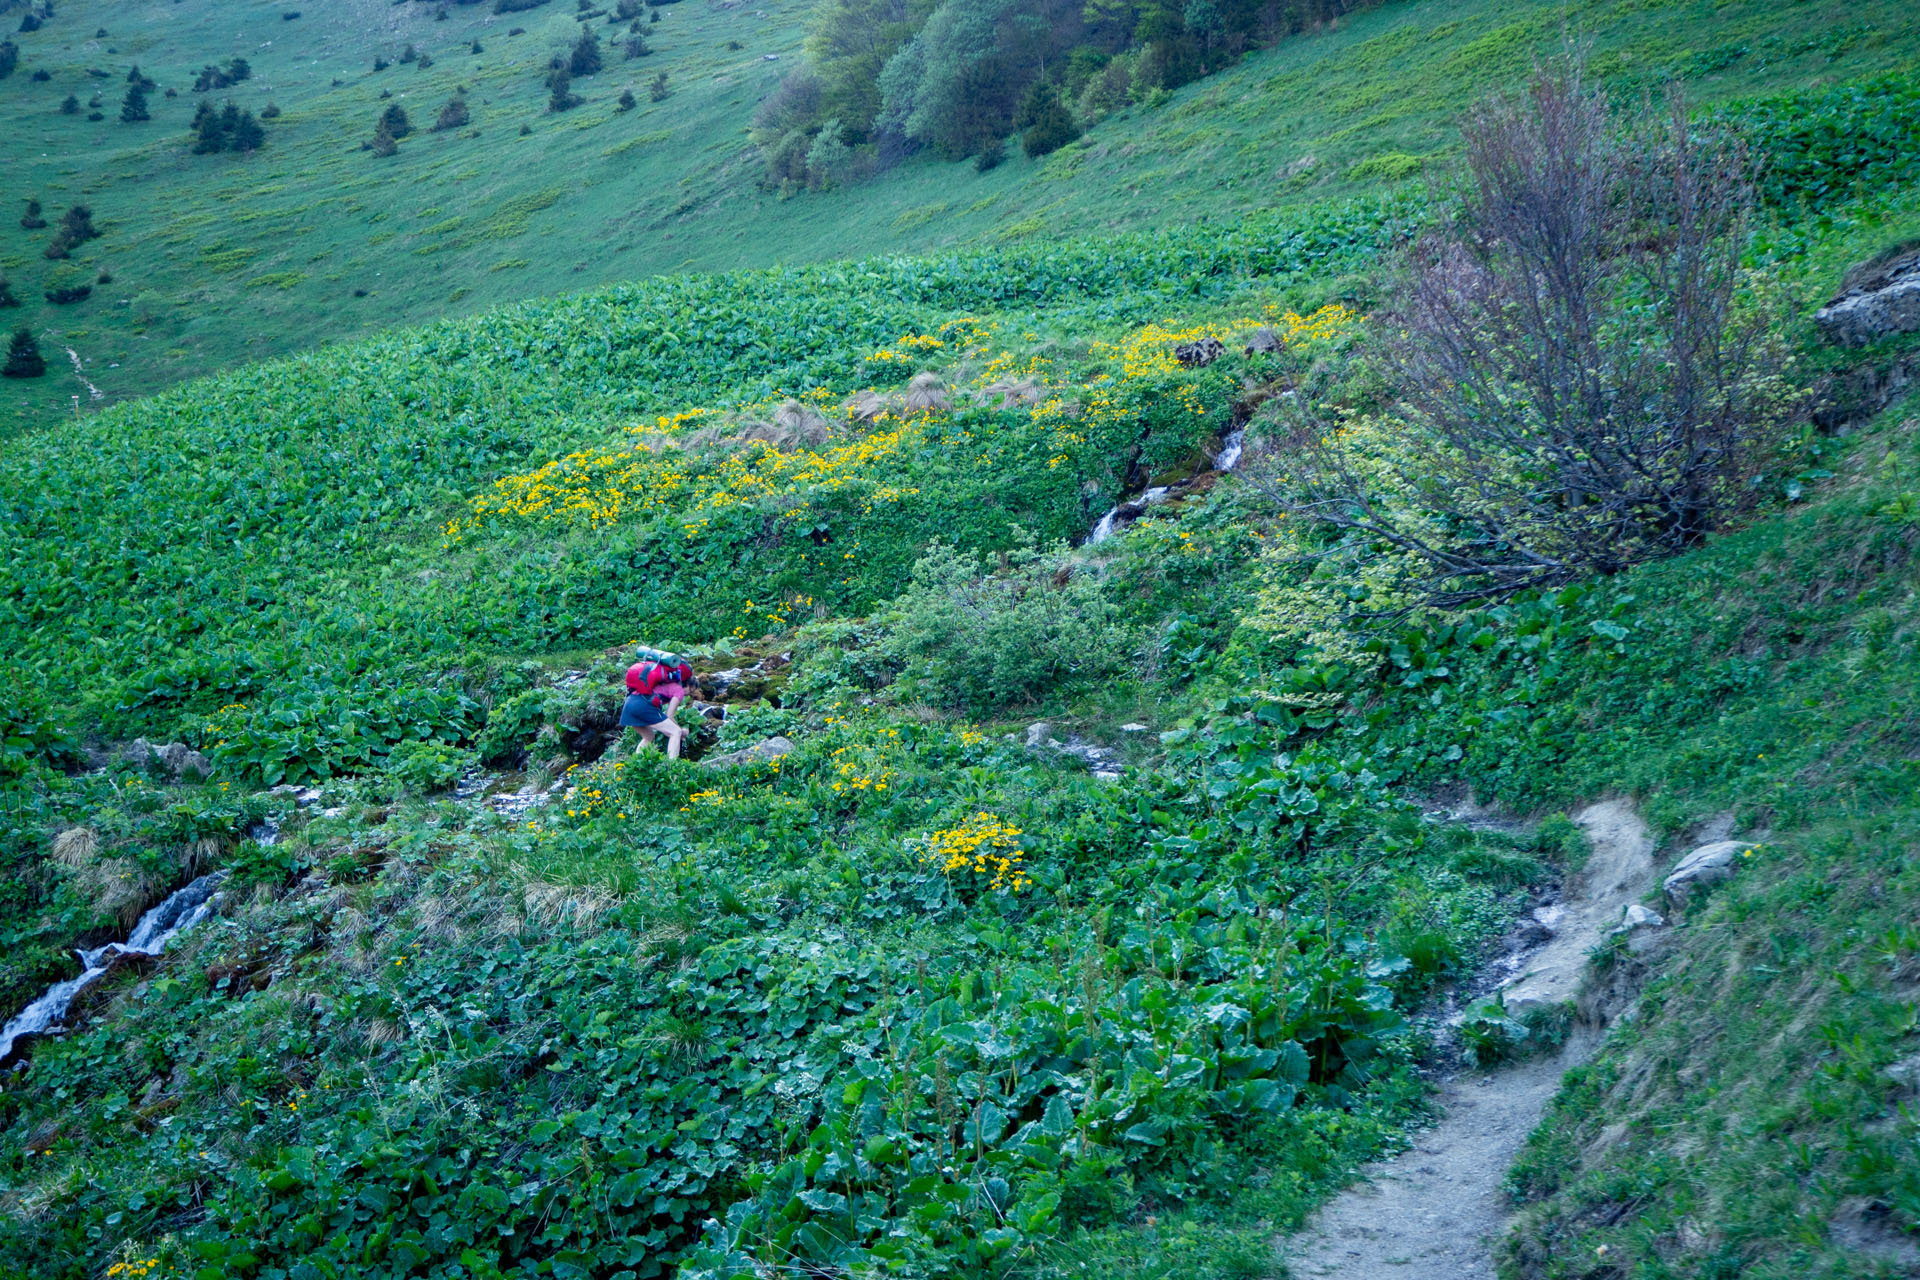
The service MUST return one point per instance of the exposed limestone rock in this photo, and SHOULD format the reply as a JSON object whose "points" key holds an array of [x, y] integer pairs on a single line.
{"points": [[1705, 865], [1876, 298], [758, 753]]}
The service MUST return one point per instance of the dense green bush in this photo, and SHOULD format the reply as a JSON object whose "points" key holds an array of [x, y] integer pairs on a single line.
{"points": [[982, 641]]}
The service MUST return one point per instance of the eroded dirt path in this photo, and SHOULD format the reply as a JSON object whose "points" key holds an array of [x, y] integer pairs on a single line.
{"points": [[1436, 1211]]}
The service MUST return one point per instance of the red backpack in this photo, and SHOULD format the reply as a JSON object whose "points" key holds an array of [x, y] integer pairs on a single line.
{"points": [[647, 676]]}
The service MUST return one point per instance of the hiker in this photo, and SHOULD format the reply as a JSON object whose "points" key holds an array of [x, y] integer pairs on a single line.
{"points": [[655, 690]]}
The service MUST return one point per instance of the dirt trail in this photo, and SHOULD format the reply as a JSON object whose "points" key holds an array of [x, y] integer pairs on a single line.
{"points": [[1436, 1211]]}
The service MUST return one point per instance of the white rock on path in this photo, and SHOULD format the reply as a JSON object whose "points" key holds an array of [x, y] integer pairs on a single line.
{"points": [[1639, 917]]}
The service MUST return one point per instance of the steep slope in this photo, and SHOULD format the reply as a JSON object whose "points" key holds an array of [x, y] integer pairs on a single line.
{"points": [[219, 259]]}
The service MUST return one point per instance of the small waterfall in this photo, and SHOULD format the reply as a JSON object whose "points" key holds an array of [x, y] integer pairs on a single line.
{"points": [[1232, 445], [1128, 511], [182, 910]]}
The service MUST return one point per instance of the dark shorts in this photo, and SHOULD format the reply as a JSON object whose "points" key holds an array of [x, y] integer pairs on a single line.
{"points": [[640, 713]]}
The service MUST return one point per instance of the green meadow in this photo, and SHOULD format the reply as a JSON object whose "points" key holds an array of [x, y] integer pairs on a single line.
{"points": [[218, 260]]}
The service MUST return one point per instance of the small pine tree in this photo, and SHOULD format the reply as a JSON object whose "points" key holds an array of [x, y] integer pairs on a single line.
{"points": [[270, 112], [9, 58], [6, 293], [379, 63], [238, 70], [991, 156], [135, 77], [476, 48], [1052, 125], [383, 143], [563, 99], [453, 115], [23, 356], [657, 90], [635, 46], [394, 121], [409, 54], [209, 135], [71, 107], [627, 101], [424, 63], [133, 109], [33, 221], [585, 59], [247, 135]]}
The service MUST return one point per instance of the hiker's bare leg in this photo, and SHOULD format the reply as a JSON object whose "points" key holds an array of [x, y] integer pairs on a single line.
{"points": [[646, 739], [674, 736]]}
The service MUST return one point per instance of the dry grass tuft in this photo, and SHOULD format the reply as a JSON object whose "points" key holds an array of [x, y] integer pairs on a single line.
{"points": [[76, 846], [927, 394], [548, 904], [1021, 393]]}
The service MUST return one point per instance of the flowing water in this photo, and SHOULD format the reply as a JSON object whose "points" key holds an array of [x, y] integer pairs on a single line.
{"points": [[1232, 446], [1128, 510], [181, 910]]}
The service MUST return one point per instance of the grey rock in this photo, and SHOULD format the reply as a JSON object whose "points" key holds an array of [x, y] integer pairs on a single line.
{"points": [[1039, 733], [1136, 727], [1705, 865], [1106, 765], [758, 753], [1195, 355], [1905, 1073], [1876, 299], [1264, 341], [177, 758], [1639, 917], [138, 753]]}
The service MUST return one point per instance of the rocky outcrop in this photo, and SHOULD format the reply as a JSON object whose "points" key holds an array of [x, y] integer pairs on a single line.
{"points": [[1704, 865], [1197, 355], [176, 759], [759, 753], [1876, 299], [1104, 762]]}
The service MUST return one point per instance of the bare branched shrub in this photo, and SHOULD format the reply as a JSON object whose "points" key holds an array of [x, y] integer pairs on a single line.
{"points": [[1581, 382]]}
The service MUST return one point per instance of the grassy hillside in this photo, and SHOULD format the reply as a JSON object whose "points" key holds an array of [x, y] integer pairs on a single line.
{"points": [[915, 996], [221, 259], [920, 997]]}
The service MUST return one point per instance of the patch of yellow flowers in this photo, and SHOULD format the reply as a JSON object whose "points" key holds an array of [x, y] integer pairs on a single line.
{"points": [[984, 845], [598, 487]]}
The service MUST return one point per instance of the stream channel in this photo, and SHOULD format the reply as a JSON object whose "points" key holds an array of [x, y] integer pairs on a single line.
{"points": [[178, 912]]}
